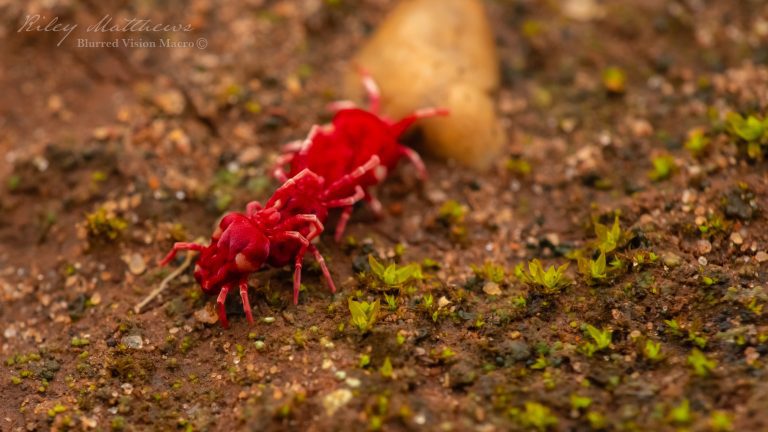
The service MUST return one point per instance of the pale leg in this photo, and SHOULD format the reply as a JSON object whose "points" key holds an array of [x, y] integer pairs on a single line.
{"points": [[299, 259], [352, 177], [415, 159], [180, 246], [403, 124], [341, 226], [220, 302], [246, 301], [320, 260], [348, 201]]}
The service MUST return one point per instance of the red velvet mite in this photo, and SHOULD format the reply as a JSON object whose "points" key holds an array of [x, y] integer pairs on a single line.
{"points": [[334, 167]]}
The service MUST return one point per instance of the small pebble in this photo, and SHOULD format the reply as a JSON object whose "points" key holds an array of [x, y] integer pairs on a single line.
{"points": [[583, 10], [670, 259], [136, 263], [206, 314], [420, 419], [704, 246], [492, 288], [335, 400], [95, 299], [10, 332], [132, 341], [250, 155], [736, 238], [170, 102], [761, 256], [751, 355]]}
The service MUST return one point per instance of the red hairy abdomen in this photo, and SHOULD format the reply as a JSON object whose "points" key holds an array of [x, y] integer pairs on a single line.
{"points": [[353, 137]]}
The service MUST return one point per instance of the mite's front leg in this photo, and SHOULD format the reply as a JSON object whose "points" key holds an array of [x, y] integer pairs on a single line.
{"points": [[180, 246], [252, 208], [220, 302], [246, 301]]}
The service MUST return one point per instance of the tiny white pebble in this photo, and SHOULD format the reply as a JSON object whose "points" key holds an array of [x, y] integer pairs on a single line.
{"points": [[420, 419], [702, 261]]}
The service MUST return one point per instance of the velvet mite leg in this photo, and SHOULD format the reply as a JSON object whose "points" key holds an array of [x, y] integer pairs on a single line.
{"points": [[320, 260], [348, 201], [246, 301], [415, 159], [284, 191], [180, 246], [342, 224], [375, 205], [292, 222], [340, 105], [399, 127], [350, 179], [372, 90], [299, 258], [220, 302]]}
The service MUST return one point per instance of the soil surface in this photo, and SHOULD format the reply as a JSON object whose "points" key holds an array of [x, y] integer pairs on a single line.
{"points": [[112, 154]]}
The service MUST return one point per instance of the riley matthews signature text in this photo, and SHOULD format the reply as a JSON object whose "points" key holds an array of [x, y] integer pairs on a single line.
{"points": [[106, 24]]}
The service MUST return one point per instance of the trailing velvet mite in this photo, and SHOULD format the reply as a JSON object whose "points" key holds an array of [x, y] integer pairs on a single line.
{"points": [[334, 167]]}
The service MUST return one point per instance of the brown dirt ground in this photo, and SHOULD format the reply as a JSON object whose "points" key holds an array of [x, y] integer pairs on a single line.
{"points": [[167, 140]]}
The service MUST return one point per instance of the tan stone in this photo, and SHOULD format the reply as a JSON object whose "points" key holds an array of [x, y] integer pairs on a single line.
{"points": [[438, 53]]}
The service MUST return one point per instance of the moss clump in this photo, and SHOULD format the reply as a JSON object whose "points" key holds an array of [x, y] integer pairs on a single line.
{"points": [[78, 342], [104, 224]]}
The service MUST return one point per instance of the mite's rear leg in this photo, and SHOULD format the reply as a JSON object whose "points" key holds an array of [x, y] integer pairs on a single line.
{"points": [[348, 201], [316, 227], [307, 143], [342, 224], [340, 105], [246, 301], [350, 179], [299, 258], [372, 89], [372, 92], [293, 146], [278, 172], [290, 151], [220, 302], [415, 159], [320, 260], [375, 205], [400, 126], [180, 246]]}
